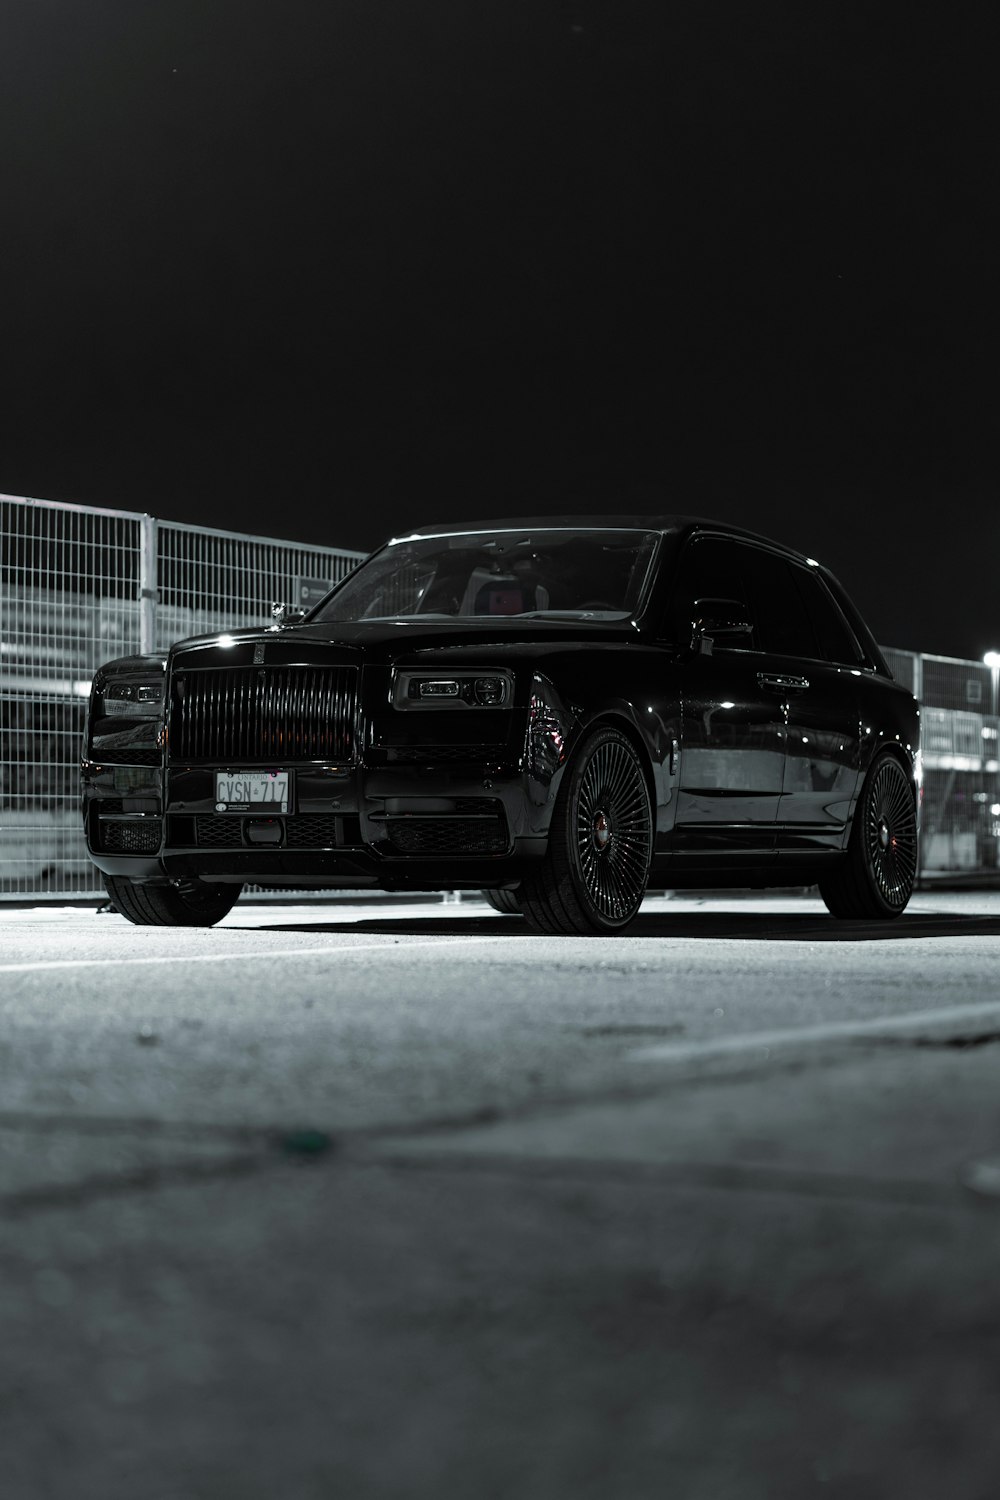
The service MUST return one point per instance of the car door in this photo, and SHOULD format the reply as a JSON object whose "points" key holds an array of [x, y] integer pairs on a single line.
{"points": [[812, 669], [732, 730]]}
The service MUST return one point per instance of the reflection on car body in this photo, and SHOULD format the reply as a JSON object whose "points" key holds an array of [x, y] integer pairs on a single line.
{"points": [[557, 711]]}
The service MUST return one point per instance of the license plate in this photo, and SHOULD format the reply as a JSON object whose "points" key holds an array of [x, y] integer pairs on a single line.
{"points": [[251, 791]]}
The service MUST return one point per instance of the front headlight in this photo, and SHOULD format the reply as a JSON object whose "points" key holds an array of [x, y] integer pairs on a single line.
{"points": [[128, 698], [464, 689]]}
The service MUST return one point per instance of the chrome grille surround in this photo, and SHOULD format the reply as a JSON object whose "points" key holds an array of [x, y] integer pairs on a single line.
{"points": [[276, 715]]}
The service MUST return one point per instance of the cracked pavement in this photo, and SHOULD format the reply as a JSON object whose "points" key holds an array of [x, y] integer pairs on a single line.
{"points": [[403, 1201]]}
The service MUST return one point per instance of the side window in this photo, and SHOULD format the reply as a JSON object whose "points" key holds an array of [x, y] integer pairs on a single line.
{"points": [[709, 568], [782, 623], [836, 642]]}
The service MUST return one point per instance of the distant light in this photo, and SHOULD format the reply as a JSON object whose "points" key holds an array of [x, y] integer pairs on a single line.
{"points": [[727, 704], [82, 689], [992, 659], [995, 809]]}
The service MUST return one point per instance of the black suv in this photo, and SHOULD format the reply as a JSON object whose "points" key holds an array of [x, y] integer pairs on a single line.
{"points": [[558, 711]]}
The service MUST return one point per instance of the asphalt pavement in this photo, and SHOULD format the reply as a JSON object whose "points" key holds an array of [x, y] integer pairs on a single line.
{"points": [[405, 1201]]}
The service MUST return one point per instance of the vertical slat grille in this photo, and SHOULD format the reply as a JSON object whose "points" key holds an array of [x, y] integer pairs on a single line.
{"points": [[275, 714]]}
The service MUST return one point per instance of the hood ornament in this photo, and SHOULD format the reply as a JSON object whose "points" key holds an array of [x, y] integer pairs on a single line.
{"points": [[286, 614]]}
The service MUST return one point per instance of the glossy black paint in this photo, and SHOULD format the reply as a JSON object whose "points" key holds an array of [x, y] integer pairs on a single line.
{"points": [[754, 759]]}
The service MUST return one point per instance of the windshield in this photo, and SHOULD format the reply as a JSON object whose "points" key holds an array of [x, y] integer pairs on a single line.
{"points": [[555, 574]]}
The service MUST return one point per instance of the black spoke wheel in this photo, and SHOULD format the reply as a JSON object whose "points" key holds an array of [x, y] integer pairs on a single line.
{"points": [[594, 874], [875, 879], [193, 903], [507, 902]]}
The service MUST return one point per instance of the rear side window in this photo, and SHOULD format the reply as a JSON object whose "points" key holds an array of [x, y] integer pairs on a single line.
{"points": [[783, 626], [836, 641]]}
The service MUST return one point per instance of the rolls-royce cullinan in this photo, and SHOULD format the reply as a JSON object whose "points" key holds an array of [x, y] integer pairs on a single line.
{"points": [[560, 712]]}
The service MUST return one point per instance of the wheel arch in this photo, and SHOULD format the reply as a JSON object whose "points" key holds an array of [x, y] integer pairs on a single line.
{"points": [[898, 753]]}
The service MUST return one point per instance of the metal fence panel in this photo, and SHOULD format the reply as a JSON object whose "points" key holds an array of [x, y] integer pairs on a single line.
{"points": [[960, 823], [960, 811], [68, 600], [949, 682], [78, 586]]}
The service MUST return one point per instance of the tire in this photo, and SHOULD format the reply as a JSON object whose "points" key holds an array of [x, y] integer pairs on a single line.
{"points": [[193, 904], [507, 902], [593, 877], [875, 879]]}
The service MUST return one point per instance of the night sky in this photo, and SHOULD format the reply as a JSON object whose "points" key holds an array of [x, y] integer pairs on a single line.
{"points": [[326, 270]]}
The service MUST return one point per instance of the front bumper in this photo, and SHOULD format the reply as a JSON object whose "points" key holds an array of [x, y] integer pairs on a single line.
{"points": [[390, 827]]}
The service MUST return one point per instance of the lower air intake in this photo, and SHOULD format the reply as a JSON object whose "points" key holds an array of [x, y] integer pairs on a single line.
{"points": [[127, 836], [219, 833]]}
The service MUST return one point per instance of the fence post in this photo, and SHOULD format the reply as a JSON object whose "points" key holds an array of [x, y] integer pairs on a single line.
{"points": [[149, 594]]}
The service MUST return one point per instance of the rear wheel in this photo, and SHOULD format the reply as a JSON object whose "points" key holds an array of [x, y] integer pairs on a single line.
{"points": [[504, 901], [593, 876], [193, 903], [875, 879]]}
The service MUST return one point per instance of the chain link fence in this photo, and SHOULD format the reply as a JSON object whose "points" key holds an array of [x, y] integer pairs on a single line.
{"points": [[80, 585]]}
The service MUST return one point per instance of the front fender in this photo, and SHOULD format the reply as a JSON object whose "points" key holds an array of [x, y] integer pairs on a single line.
{"points": [[556, 726]]}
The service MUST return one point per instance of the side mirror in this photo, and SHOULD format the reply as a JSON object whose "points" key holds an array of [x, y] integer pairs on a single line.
{"points": [[286, 614], [713, 618]]}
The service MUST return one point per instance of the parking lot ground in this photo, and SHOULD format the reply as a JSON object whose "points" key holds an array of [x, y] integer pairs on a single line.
{"points": [[408, 1202]]}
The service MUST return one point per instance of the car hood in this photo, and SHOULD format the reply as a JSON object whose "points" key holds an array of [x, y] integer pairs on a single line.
{"points": [[384, 640]]}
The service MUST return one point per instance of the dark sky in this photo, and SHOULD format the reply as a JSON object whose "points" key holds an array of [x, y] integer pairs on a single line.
{"points": [[327, 269]]}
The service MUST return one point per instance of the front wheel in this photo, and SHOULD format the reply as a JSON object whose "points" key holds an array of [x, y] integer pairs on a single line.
{"points": [[193, 903], [593, 876], [875, 879]]}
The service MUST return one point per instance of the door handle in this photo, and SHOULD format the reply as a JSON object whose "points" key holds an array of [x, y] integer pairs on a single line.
{"points": [[780, 683]]}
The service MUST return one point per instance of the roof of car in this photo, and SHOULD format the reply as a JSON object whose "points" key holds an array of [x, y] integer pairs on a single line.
{"points": [[664, 524]]}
